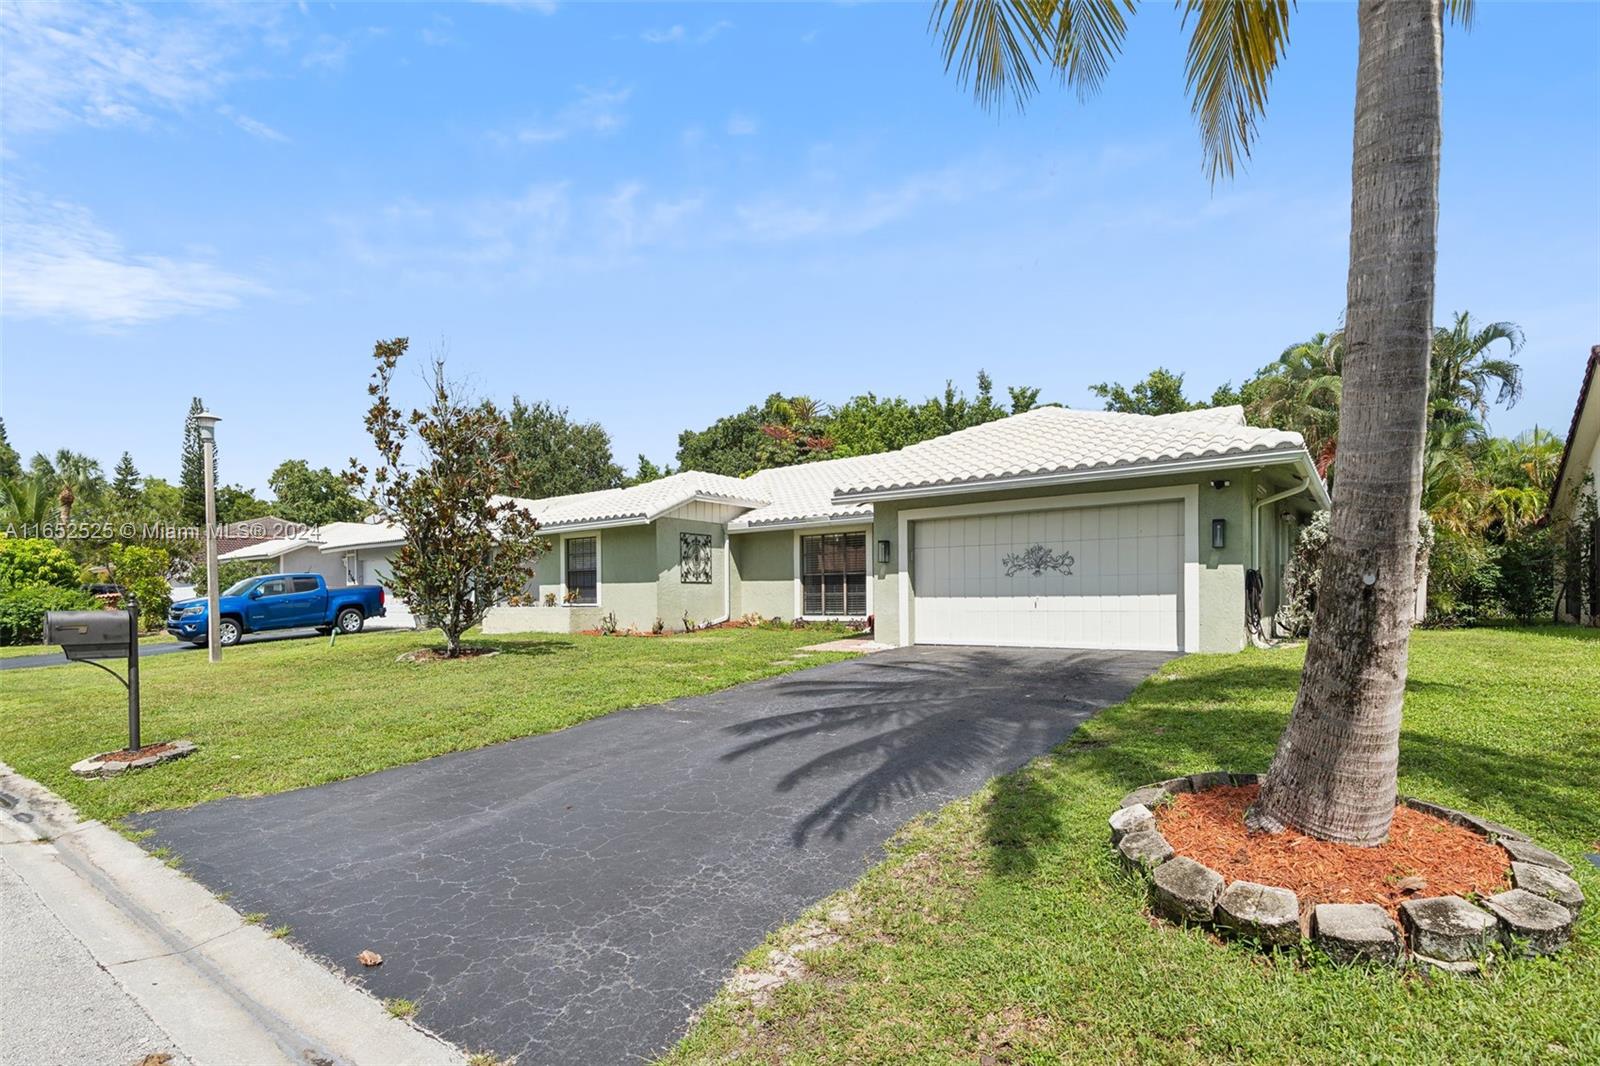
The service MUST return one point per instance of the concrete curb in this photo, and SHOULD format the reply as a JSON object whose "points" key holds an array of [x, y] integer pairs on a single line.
{"points": [[224, 990]]}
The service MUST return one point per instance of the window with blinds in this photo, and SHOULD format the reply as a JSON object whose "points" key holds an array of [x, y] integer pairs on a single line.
{"points": [[582, 574], [833, 575]]}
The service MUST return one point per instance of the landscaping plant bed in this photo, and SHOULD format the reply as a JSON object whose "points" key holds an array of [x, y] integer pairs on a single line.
{"points": [[1424, 856], [110, 763], [437, 655], [1447, 889]]}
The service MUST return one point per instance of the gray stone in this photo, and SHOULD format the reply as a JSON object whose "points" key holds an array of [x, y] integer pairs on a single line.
{"points": [[1144, 850], [1214, 779], [1482, 826], [1176, 785], [1151, 796], [1133, 819], [1463, 968], [98, 766], [1240, 780], [1186, 891], [1531, 924], [1356, 932], [1524, 851], [1263, 913], [1551, 884], [1448, 928]]}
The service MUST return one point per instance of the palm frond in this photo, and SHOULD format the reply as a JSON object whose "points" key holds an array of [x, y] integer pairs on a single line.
{"points": [[995, 45], [1235, 48], [1459, 12]]}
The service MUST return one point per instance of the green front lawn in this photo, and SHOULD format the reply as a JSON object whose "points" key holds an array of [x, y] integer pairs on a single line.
{"points": [[999, 930], [287, 714]]}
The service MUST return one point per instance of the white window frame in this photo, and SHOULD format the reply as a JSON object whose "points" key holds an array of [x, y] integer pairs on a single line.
{"points": [[599, 586], [799, 589], [1189, 495]]}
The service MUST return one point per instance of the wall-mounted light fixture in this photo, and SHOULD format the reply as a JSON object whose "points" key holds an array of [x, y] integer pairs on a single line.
{"points": [[883, 551], [1220, 484], [1219, 532]]}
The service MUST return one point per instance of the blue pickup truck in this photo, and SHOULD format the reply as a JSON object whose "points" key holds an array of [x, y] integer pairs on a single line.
{"points": [[278, 601]]}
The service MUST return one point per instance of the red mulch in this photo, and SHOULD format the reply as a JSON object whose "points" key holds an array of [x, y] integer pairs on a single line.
{"points": [[129, 756], [1209, 828]]}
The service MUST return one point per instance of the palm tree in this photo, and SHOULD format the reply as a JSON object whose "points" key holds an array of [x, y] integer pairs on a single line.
{"points": [[25, 505], [1461, 372], [1334, 772], [75, 477], [1300, 391]]}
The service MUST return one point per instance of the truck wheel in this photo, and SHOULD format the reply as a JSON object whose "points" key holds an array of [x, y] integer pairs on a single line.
{"points": [[351, 620], [229, 633]]}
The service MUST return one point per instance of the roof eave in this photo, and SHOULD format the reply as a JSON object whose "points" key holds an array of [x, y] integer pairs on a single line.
{"points": [[802, 523], [1299, 456]]}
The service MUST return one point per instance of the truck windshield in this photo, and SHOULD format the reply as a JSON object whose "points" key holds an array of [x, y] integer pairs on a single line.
{"points": [[238, 587]]}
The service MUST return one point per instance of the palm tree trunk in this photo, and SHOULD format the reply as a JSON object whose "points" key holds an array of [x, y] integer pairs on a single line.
{"points": [[1334, 772]]}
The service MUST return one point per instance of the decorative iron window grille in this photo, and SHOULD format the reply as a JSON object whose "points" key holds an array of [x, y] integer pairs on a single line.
{"points": [[583, 585], [694, 558], [833, 575]]}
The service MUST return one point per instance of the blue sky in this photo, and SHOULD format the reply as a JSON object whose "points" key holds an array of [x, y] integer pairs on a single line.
{"points": [[654, 215]]}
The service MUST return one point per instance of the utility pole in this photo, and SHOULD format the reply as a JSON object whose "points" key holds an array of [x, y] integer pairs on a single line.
{"points": [[206, 423]]}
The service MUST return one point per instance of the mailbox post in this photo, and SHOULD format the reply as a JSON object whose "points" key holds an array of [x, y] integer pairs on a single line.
{"points": [[89, 636]]}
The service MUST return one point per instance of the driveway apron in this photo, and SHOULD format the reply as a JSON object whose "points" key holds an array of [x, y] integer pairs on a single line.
{"points": [[571, 898]]}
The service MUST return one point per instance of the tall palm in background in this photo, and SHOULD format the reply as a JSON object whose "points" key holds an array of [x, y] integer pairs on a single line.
{"points": [[1334, 772], [26, 503], [1300, 391], [1462, 372], [74, 476]]}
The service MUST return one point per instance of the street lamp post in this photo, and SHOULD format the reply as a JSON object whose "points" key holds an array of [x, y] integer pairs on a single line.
{"points": [[206, 424]]}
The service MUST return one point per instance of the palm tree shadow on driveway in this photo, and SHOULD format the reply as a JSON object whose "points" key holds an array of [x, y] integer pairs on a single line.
{"points": [[920, 725]]}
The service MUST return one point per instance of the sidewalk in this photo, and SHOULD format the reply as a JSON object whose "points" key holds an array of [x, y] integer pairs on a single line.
{"points": [[110, 956]]}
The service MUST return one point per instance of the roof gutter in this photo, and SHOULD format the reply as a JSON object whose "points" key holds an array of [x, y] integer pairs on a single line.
{"points": [[1299, 456], [1255, 540]]}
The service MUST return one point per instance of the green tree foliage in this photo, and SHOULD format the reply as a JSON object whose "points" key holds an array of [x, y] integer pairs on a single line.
{"points": [[27, 503], [142, 570], [192, 468], [125, 484], [557, 455], [731, 445], [230, 573], [647, 471], [161, 501], [235, 503], [35, 561], [10, 461], [73, 477], [314, 496], [1160, 393], [465, 549]]}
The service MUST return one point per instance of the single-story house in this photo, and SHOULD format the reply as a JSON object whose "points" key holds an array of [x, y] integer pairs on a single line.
{"points": [[1577, 480], [344, 553], [236, 535], [1053, 528]]}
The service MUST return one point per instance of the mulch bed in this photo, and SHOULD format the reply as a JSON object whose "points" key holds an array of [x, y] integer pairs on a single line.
{"points": [[130, 756], [437, 655], [1209, 828]]}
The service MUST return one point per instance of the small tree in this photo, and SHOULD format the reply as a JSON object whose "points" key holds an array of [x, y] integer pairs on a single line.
{"points": [[465, 548], [143, 572]]}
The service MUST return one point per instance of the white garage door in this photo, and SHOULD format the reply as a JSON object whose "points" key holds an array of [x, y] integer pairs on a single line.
{"points": [[1086, 577]]}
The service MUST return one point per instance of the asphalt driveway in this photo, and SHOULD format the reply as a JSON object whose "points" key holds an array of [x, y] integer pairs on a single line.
{"points": [[573, 897]]}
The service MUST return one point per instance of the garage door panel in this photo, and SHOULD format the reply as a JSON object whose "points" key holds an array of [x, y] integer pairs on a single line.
{"points": [[1122, 588]]}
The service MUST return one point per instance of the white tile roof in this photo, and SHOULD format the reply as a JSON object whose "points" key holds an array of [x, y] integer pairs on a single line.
{"points": [[804, 493], [1041, 443], [1059, 441], [331, 537], [640, 503]]}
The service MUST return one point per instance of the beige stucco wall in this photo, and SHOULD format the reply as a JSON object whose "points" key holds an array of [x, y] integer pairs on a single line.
{"points": [[676, 600]]}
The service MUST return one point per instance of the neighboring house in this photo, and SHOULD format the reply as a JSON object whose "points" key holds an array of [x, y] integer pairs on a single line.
{"points": [[1573, 496], [1053, 528], [344, 553], [236, 535]]}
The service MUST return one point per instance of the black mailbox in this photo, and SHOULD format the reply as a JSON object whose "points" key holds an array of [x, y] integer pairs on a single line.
{"points": [[90, 634]]}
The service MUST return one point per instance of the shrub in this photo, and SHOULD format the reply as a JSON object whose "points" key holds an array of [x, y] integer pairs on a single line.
{"points": [[22, 610], [143, 572], [35, 561]]}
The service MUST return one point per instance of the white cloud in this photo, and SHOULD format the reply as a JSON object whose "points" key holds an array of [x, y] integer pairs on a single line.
{"points": [[594, 111], [59, 263], [538, 7], [678, 34], [742, 126], [781, 218], [108, 64], [254, 127]]}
